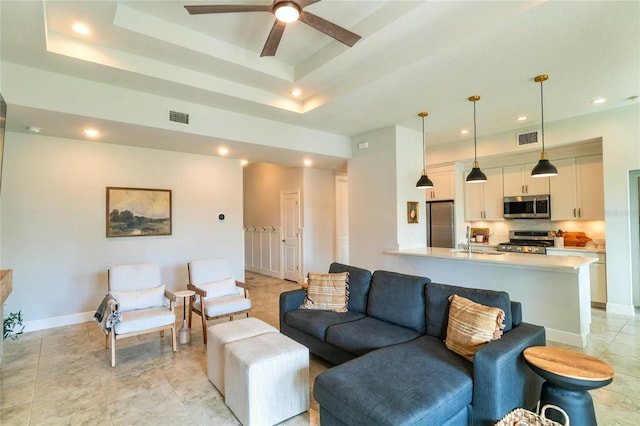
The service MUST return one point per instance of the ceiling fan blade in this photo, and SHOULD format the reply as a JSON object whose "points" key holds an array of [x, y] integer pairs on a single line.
{"points": [[271, 45], [305, 3], [227, 8], [329, 28]]}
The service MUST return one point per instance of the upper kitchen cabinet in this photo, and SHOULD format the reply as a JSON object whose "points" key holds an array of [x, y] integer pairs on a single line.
{"points": [[484, 201], [518, 181], [577, 193], [443, 185]]}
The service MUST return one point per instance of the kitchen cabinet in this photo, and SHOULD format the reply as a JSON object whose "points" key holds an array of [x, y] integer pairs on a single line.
{"points": [[597, 273], [443, 185], [577, 192], [484, 201], [518, 181]]}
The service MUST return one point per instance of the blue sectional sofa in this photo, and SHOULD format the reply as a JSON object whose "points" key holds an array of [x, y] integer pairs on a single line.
{"points": [[393, 367]]}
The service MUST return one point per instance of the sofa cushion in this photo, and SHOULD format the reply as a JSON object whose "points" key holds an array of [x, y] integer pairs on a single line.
{"points": [[418, 382], [437, 303], [398, 299], [471, 326], [327, 292], [367, 334], [359, 283], [315, 323]]}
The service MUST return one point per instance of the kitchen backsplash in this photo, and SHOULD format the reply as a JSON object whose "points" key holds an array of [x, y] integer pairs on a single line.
{"points": [[499, 231]]}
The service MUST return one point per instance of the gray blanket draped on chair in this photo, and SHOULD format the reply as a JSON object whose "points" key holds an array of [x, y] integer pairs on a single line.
{"points": [[106, 322]]}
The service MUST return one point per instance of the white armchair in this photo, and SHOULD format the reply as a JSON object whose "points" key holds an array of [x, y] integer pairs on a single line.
{"points": [[144, 304], [217, 295]]}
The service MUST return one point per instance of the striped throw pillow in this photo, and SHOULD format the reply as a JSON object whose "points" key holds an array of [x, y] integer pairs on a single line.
{"points": [[329, 292], [471, 326]]}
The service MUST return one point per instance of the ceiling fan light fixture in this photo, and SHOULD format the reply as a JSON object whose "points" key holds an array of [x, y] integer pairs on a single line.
{"points": [[286, 11]]}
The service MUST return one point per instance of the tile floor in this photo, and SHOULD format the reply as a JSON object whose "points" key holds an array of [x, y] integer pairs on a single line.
{"points": [[63, 375]]}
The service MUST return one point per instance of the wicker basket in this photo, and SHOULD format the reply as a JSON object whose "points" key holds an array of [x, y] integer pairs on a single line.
{"points": [[522, 417]]}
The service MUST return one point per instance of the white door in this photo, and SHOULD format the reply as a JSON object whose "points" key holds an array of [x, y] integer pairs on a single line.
{"points": [[342, 219], [290, 235]]}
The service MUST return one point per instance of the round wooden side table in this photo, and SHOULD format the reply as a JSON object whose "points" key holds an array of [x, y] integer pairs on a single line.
{"points": [[569, 375]]}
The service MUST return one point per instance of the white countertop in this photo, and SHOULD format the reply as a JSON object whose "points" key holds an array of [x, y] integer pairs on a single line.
{"points": [[580, 249], [536, 261]]}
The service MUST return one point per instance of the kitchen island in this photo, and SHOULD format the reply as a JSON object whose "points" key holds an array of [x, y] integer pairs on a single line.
{"points": [[554, 290]]}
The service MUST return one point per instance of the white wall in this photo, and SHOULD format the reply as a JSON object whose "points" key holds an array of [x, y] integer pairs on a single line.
{"points": [[53, 217], [319, 220]]}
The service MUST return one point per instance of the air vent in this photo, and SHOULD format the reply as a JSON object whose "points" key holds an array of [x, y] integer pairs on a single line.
{"points": [[179, 117], [528, 138]]}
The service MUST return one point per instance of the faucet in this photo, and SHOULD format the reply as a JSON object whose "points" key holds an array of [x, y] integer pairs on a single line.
{"points": [[469, 239]]}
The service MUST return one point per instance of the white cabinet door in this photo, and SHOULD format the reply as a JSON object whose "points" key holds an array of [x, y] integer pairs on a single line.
{"points": [[443, 186], [484, 201], [563, 191], [590, 187], [577, 193], [493, 195], [518, 181]]}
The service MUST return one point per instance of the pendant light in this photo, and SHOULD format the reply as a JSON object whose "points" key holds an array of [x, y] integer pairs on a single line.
{"points": [[544, 168], [424, 181], [476, 175]]}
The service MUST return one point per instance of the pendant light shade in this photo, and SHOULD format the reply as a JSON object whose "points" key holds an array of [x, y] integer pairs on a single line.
{"points": [[476, 175], [544, 168], [424, 181]]}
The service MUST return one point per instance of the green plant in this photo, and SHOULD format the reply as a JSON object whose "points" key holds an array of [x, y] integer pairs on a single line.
{"points": [[11, 324]]}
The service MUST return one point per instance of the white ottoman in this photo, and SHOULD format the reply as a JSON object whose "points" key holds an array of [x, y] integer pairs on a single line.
{"points": [[219, 335], [267, 379]]}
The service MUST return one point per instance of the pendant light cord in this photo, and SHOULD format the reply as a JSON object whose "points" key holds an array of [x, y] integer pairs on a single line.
{"points": [[424, 161], [475, 145], [542, 113]]}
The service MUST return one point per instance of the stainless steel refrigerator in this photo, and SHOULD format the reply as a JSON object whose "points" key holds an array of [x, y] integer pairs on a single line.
{"points": [[440, 224]]}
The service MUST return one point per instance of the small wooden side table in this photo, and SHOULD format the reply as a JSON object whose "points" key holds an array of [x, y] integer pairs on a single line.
{"points": [[184, 335], [569, 375]]}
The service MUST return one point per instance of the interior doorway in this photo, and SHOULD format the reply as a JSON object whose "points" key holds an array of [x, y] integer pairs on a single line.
{"points": [[342, 219], [291, 236]]}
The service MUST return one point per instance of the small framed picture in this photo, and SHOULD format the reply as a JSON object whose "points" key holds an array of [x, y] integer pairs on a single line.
{"points": [[412, 212]]}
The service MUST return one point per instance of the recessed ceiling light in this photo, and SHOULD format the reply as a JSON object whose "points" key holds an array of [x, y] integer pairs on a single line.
{"points": [[92, 133], [464, 131], [296, 92], [598, 101], [223, 150], [244, 162], [308, 163], [34, 129], [80, 28], [522, 118]]}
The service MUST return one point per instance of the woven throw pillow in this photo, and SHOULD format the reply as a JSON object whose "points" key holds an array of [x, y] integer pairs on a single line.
{"points": [[471, 326], [329, 292]]}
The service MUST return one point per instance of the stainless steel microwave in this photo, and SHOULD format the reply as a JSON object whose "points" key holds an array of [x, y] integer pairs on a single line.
{"points": [[527, 207]]}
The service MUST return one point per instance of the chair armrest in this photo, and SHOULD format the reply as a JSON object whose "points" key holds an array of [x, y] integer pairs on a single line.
{"points": [[502, 381], [290, 300], [244, 286], [172, 298], [200, 292]]}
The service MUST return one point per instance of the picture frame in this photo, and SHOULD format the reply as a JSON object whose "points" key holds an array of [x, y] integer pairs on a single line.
{"points": [[412, 212], [138, 212]]}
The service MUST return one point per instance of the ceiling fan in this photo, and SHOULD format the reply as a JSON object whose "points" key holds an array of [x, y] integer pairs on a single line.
{"points": [[285, 12]]}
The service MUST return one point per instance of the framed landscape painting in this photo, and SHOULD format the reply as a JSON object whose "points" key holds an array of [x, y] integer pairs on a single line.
{"points": [[138, 212]]}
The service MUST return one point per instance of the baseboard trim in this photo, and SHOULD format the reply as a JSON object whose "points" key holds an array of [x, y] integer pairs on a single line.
{"points": [[614, 308], [571, 339], [61, 321], [263, 272]]}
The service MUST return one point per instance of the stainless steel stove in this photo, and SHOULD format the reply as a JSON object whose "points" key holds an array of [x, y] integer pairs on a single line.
{"points": [[530, 242]]}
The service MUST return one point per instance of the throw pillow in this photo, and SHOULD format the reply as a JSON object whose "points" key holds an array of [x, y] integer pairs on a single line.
{"points": [[471, 326], [327, 292], [140, 299], [226, 287]]}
